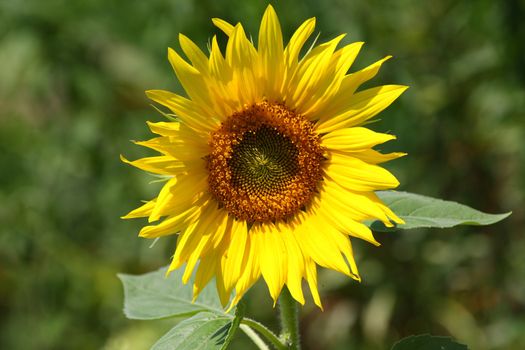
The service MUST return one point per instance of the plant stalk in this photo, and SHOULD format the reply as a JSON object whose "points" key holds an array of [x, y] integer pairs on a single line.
{"points": [[268, 334], [289, 320]]}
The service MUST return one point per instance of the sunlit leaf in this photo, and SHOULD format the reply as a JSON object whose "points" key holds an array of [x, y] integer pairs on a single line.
{"points": [[204, 331], [428, 342], [420, 211], [153, 296]]}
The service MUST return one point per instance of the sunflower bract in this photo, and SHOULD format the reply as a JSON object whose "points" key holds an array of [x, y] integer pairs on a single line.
{"points": [[269, 169]]}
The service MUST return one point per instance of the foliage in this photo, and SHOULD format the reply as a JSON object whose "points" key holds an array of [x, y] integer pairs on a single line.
{"points": [[420, 211], [154, 295], [71, 93]]}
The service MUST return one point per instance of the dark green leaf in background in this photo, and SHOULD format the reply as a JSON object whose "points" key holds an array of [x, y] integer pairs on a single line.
{"points": [[428, 342], [420, 211]]}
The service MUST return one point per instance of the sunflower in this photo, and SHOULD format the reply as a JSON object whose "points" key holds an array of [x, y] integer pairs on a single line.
{"points": [[269, 170]]}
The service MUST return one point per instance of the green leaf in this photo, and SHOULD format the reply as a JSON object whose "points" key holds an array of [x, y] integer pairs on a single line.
{"points": [[204, 331], [420, 211], [153, 295], [428, 342]]}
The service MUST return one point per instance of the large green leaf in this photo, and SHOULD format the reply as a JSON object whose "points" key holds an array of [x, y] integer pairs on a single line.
{"points": [[421, 211], [153, 296], [204, 331], [428, 342]]}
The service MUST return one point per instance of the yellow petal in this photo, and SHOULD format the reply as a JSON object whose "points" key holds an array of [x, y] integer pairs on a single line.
{"points": [[194, 83], [310, 74], [296, 264], [272, 256], [339, 102], [341, 61], [178, 148], [271, 53], [162, 165], [195, 55], [251, 270], [361, 107], [222, 82], [333, 201], [164, 197], [189, 112], [171, 225], [374, 157], [232, 263], [270, 36], [223, 233], [224, 294], [297, 41], [179, 134], [354, 139], [392, 216], [359, 206], [345, 246], [356, 175], [142, 211], [239, 50], [205, 271], [242, 57], [345, 224], [217, 63], [316, 242], [311, 278], [161, 144], [199, 231], [164, 128], [226, 27], [200, 241], [179, 194]]}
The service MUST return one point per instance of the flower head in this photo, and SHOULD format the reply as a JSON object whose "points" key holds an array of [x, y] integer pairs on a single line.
{"points": [[268, 168]]}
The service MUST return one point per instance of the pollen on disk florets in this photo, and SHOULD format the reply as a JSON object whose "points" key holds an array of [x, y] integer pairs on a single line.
{"points": [[265, 163]]}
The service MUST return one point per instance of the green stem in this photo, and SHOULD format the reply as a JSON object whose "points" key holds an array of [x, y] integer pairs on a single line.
{"points": [[289, 320], [255, 338], [268, 334]]}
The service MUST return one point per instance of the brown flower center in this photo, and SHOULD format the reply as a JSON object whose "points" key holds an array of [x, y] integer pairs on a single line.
{"points": [[265, 163]]}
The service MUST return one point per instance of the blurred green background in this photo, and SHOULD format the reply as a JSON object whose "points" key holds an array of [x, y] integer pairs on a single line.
{"points": [[72, 76]]}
